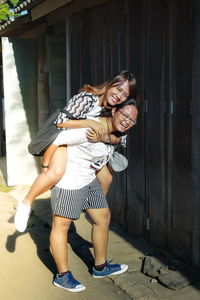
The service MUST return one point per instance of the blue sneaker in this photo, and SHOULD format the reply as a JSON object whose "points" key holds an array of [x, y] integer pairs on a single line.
{"points": [[109, 269], [69, 283]]}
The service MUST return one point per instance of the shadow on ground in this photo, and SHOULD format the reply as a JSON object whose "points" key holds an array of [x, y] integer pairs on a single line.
{"points": [[39, 228], [158, 264]]}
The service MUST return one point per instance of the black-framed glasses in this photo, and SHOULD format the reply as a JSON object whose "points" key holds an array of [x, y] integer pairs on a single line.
{"points": [[127, 118]]}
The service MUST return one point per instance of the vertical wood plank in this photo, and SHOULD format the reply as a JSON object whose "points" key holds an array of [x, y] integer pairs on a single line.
{"points": [[181, 130], [136, 206], [42, 82], [155, 138], [56, 51], [196, 139], [75, 52]]}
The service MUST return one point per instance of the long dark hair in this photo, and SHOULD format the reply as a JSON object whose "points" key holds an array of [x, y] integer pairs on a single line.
{"points": [[119, 78], [128, 101]]}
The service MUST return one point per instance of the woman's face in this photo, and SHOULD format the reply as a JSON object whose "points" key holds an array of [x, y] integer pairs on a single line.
{"points": [[124, 118], [117, 93]]}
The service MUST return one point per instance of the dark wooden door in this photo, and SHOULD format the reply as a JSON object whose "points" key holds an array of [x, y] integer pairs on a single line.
{"points": [[154, 39], [180, 223]]}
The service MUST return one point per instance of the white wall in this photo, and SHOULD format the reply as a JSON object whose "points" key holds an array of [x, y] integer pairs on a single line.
{"points": [[19, 78]]}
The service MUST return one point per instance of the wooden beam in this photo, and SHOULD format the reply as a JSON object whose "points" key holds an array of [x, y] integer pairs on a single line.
{"points": [[14, 26], [34, 32], [25, 29], [47, 7], [75, 6]]}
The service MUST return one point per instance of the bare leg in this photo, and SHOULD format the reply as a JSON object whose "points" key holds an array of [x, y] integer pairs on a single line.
{"points": [[104, 177], [58, 242], [100, 232], [42, 183], [47, 179], [59, 247]]}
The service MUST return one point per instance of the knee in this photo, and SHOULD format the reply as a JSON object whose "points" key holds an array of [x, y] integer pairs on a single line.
{"points": [[108, 216], [61, 224], [55, 174], [58, 172], [104, 219]]}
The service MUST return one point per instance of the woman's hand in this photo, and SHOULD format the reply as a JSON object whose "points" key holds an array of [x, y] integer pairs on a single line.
{"points": [[92, 136], [61, 125], [100, 130]]}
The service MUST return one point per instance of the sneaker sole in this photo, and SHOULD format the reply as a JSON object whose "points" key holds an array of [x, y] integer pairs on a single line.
{"points": [[114, 273], [70, 290]]}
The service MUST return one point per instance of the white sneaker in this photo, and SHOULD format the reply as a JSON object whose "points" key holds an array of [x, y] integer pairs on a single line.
{"points": [[22, 216]]}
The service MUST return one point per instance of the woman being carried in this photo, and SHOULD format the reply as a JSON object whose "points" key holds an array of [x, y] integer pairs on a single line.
{"points": [[88, 103]]}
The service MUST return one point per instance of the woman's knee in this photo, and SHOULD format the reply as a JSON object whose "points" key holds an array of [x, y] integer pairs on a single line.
{"points": [[107, 216], [57, 164], [55, 173], [102, 217], [60, 223]]}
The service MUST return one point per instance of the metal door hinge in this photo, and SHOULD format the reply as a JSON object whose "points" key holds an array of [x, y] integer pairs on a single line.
{"points": [[190, 108], [147, 224], [146, 104], [171, 107]]}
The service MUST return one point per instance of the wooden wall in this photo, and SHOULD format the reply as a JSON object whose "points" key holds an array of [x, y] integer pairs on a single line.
{"points": [[153, 39], [195, 147], [157, 197]]}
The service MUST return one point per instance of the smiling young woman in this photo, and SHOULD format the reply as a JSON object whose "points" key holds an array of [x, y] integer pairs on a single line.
{"points": [[79, 190]]}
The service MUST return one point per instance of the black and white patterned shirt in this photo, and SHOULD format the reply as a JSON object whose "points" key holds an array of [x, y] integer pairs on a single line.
{"points": [[81, 106]]}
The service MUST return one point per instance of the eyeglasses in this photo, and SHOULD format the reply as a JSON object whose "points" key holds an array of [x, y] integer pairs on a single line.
{"points": [[126, 118]]}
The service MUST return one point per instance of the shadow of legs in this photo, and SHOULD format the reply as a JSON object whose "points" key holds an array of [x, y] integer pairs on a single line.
{"points": [[81, 247]]}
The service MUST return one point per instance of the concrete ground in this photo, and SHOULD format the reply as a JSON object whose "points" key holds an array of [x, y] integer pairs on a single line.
{"points": [[27, 267]]}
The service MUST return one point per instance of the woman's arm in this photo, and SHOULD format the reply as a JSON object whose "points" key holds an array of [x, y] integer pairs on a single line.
{"points": [[99, 129], [75, 113], [69, 137], [78, 107], [109, 138]]}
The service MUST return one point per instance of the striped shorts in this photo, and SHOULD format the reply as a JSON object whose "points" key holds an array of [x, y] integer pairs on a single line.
{"points": [[70, 203]]}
